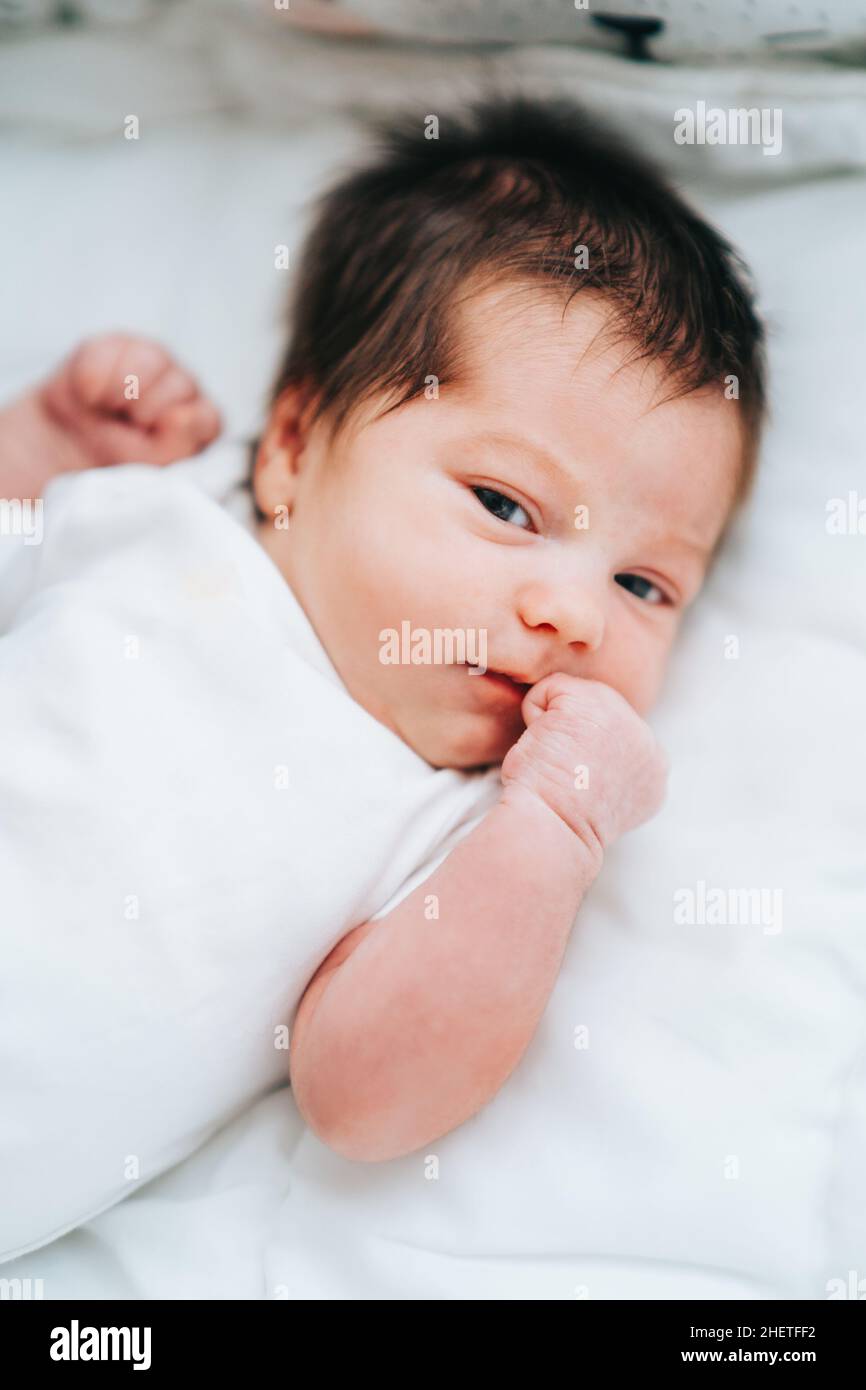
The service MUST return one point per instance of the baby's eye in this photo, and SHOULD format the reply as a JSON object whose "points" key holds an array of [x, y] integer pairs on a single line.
{"points": [[641, 587], [503, 507]]}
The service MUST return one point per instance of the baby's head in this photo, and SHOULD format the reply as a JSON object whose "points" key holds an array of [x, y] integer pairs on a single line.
{"points": [[521, 403]]}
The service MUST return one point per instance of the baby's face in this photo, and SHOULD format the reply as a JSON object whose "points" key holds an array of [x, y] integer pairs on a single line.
{"points": [[543, 509]]}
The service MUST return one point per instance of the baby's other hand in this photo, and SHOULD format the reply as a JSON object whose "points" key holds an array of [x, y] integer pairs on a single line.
{"points": [[588, 756], [125, 399]]}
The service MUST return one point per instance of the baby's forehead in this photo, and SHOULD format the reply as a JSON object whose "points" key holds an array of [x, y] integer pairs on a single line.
{"points": [[503, 314], [538, 336], [554, 385]]}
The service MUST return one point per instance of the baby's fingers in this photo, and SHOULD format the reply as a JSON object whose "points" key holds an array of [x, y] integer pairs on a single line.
{"points": [[113, 373], [553, 690], [171, 388], [183, 430]]}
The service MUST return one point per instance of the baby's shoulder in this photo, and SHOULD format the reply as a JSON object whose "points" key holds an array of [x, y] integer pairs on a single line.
{"points": [[97, 495], [124, 510]]}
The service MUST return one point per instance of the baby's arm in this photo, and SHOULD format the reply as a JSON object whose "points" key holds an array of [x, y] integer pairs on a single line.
{"points": [[412, 1024], [424, 1020], [32, 452]]}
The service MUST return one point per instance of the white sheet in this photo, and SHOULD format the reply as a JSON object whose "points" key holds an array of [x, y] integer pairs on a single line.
{"points": [[606, 1171]]}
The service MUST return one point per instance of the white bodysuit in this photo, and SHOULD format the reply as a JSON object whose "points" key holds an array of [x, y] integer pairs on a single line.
{"points": [[193, 811]]}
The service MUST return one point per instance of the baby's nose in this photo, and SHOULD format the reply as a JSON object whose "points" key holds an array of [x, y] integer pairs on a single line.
{"points": [[574, 614]]}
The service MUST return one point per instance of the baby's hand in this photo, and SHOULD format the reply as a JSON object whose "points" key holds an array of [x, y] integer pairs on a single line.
{"points": [[589, 757], [124, 399]]}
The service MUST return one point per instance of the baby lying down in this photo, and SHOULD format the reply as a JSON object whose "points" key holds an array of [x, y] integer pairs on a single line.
{"points": [[521, 402]]}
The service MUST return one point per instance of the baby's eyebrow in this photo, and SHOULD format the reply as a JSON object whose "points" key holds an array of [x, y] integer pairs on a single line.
{"points": [[699, 549], [524, 447]]}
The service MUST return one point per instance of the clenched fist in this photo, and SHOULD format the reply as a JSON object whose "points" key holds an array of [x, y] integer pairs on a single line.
{"points": [[589, 757], [125, 399]]}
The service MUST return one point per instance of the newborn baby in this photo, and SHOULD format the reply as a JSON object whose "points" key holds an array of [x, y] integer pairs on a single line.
{"points": [[522, 399]]}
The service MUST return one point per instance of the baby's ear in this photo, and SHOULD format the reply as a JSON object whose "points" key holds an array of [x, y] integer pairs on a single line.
{"points": [[280, 450]]}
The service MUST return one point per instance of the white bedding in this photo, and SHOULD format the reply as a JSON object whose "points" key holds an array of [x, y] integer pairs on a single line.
{"points": [[710, 1140]]}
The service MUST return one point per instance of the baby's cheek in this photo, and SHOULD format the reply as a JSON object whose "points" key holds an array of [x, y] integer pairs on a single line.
{"points": [[651, 684], [639, 676]]}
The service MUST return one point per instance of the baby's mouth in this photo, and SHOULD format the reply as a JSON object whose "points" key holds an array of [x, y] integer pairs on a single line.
{"points": [[500, 680]]}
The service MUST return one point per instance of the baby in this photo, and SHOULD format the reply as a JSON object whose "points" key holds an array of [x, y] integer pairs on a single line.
{"points": [[523, 397]]}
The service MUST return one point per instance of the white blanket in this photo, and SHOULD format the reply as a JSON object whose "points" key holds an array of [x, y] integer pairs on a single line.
{"points": [[194, 811]]}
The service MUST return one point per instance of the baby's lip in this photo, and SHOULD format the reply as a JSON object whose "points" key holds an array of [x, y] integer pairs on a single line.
{"points": [[515, 677]]}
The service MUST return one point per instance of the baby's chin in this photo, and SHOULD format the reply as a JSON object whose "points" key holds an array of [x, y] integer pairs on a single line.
{"points": [[467, 742]]}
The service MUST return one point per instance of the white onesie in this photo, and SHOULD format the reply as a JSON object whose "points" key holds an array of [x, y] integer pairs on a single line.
{"points": [[193, 811]]}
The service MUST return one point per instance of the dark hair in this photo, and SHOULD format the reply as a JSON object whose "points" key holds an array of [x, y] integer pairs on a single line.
{"points": [[510, 188]]}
